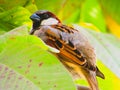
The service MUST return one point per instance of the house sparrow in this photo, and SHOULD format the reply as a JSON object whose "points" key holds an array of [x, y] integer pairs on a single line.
{"points": [[76, 53]]}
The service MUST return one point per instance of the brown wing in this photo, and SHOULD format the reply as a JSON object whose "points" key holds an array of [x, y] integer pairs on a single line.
{"points": [[66, 39]]}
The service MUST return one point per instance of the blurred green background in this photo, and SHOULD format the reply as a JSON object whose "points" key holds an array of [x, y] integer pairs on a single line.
{"points": [[21, 53]]}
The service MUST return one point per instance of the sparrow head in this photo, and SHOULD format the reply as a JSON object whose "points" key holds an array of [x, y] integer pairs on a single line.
{"points": [[44, 17]]}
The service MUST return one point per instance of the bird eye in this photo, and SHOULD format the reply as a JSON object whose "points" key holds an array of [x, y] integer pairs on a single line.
{"points": [[46, 16]]}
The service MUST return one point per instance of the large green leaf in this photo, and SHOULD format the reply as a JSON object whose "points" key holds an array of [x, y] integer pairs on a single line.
{"points": [[9, 4], [46, 5], [13, 18], [28, 58], [67, 10], [12, 80], [112, 8], [91, 13]]}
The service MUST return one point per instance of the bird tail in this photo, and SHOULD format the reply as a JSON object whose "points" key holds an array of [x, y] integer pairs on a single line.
{"points": [[91, 78], [99, 73]]}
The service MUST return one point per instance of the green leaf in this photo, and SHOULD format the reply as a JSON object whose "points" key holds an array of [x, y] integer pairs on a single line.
{"points": [[31, 7], [27, 56], [13, 18], [70, 11], [46, 5], [9, 4], [15, 32], [67, 10], [73, 18], [91, 13], [112, 8], [12, 80]]}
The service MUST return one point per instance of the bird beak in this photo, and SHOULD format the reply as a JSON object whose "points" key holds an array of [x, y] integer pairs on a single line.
{"points": [[35, 17]]}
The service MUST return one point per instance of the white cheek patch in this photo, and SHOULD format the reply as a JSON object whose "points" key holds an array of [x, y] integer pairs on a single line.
{"points": [[49, 21]]}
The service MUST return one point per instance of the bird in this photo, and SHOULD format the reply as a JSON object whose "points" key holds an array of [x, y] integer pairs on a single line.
{"points": [[75, 51]]}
